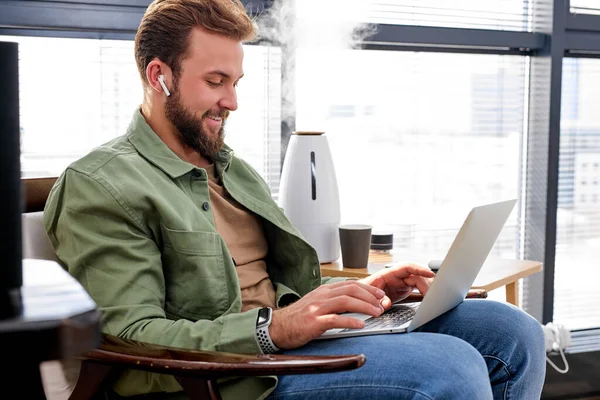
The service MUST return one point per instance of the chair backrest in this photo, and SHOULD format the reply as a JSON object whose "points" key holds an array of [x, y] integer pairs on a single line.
{"points": [[36, 243]]}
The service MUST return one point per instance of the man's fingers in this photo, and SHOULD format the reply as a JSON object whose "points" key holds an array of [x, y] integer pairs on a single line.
{"points": [[403, 271], [356, 291], [386, 303], [419, 282], [342, 304]]}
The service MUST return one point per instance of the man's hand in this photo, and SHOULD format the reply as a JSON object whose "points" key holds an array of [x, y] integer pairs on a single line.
{"points": [[398, 282], [315, 313]]}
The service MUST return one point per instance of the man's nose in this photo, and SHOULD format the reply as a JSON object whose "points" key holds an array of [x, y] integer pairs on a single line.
{"points": [[229, 101]]}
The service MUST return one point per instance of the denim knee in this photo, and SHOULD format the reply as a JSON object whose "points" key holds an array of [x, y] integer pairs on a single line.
{"points": [[523, 336], [509, 340], [522, 355], [466, 374]]}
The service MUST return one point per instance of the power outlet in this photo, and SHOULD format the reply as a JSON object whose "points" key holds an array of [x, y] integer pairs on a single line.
{"points": [[558, 337]]}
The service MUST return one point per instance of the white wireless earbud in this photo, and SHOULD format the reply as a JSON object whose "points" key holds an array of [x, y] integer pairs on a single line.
{"points": [[161, 80]]}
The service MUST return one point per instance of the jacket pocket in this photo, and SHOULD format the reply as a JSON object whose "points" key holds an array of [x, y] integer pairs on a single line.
{"points": [[195, 284]]}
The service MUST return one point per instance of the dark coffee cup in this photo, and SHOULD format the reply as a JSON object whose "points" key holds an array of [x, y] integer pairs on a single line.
{"points": [[355, 241]]}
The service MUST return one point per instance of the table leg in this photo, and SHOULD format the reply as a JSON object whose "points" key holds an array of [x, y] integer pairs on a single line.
{"points": [[512, 293]]}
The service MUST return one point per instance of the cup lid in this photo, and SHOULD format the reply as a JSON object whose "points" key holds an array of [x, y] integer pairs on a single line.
{"points": [[355, 227], [382, 241]]}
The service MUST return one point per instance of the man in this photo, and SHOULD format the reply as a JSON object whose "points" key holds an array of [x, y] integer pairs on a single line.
{"points": [[180, 243]]}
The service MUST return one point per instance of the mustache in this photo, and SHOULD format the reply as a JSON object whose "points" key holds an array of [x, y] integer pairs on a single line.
{"points": [[223, 114]]}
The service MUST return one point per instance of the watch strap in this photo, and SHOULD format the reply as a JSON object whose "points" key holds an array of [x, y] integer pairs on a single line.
{"points": [[263, 339]]}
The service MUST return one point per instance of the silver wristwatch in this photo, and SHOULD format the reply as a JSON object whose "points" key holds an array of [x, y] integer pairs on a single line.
{"points": [[265, 315]]}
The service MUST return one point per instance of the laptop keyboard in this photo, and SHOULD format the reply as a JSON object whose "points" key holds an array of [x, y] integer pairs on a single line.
{"points": [[397, 316]]}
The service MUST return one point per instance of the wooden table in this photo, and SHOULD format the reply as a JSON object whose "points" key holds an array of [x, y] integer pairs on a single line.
{"points": [[494, 274], [55, 319]]}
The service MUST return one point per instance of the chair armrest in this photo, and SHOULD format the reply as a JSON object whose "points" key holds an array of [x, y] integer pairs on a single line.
{"points": [[125, 353], [415, 297]]}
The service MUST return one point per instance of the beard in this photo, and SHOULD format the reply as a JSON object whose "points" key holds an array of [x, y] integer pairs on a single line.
{"points": [[190, 127]]}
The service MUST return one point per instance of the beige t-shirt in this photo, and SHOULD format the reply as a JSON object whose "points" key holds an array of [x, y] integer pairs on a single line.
{"points": [[244, 236]]}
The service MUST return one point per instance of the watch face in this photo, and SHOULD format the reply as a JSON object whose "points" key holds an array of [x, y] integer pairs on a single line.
{"points": [[263, 316]]}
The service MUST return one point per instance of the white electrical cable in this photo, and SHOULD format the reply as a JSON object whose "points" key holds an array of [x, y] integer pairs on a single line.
{"points": [[562, 355], [554, 342]]}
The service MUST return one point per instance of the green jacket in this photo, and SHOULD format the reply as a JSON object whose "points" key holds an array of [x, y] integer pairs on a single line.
{"points": [[133, 223]]}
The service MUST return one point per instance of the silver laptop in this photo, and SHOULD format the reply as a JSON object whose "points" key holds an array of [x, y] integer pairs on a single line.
{"points": [[453, 280]]}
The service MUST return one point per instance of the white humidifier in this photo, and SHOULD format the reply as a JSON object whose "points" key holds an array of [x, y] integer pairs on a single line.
{"points": [[308, 193]]}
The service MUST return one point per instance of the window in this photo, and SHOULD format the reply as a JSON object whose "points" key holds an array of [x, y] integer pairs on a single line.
{"points": [[254, 129], [585, 7], [510, 15], [446, 137], [578, 225], [76, 94], [341, 111]]}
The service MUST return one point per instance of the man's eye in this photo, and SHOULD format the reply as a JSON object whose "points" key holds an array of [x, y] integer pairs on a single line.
{"points": [[214, 84]]}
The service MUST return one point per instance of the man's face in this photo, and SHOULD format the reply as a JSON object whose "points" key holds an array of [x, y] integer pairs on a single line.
{"points": [[205, 91]]}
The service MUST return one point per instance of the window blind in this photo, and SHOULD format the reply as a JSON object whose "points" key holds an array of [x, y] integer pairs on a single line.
{"points": [[513, 15], [69, 107], [491, 14], [254, 130], [585, 6], [576, 294], [418, 139]]}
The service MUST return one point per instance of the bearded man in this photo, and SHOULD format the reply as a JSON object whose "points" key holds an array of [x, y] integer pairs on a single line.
{"points": [[180, 243]]}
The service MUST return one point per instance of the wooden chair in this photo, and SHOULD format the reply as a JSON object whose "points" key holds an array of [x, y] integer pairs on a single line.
{"points": [[196, 371]]}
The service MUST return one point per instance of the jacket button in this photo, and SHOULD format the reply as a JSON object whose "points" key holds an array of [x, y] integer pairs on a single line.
{"points": [[205, 206]]}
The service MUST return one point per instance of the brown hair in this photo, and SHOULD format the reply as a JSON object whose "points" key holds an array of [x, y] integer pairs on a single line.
{"points": [[166, 26]]}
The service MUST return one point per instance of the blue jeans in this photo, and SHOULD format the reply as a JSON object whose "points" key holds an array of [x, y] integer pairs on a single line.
{"points": [[481, 349]]}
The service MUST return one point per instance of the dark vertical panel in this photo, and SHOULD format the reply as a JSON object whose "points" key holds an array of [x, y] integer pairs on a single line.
{"points": [[557, 50], [10, 176], [541, 180]]}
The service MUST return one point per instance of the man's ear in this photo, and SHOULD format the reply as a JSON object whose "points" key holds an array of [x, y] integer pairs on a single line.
{"points": [[158, 75]]}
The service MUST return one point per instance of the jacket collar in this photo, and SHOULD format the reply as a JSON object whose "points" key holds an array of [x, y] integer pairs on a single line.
{"points": [[153, 149]]}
